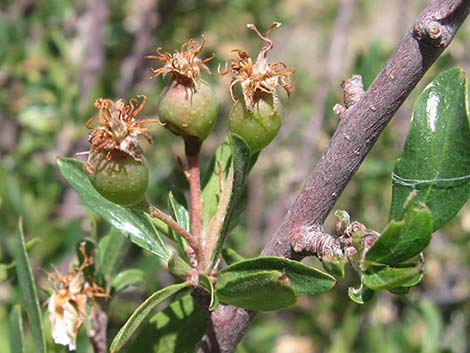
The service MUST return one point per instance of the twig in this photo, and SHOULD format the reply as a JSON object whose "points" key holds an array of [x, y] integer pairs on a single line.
{"points": [[168, 220], [357, 132]]}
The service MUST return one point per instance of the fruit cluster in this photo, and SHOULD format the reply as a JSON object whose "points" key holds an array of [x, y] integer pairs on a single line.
{"points": [[188, 107]]}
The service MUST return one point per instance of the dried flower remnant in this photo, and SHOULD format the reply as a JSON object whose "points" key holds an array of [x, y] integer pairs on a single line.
{"points": [[67, 305], [260, 76], [184, 65], [117, 129]]}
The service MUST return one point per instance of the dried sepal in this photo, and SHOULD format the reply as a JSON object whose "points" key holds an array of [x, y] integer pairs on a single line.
{"points": [[260, 76], [184, 64], [117, 129], [68, 303]]}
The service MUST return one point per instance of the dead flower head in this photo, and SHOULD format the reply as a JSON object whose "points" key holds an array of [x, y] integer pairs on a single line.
{"points": [[117, 129], [67, 305], [260, 76], [184, 65]]}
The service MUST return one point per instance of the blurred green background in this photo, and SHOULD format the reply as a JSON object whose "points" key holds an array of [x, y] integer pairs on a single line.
{"points": [[58, 56]]}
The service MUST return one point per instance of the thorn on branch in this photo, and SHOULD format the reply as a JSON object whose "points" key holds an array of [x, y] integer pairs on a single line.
{"points": [[353, 90]]}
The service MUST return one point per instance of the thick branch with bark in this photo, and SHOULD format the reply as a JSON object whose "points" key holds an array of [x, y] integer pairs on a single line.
{"points": [[358, 129]]}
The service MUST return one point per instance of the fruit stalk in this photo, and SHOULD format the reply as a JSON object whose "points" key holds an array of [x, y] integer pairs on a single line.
{"points": [[170, 222], [192, 150]]}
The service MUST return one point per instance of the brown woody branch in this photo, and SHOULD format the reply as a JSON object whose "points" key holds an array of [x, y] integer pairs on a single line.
{"points": [[355, 135]]}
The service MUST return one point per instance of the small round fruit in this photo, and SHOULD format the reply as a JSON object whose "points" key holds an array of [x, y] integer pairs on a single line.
{"points": [[122, 179], [258, 127], [188, 111]]}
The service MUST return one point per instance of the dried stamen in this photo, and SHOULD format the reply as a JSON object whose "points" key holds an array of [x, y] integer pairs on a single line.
{"points": [[184, 65], [260, 76], [117, 129]]}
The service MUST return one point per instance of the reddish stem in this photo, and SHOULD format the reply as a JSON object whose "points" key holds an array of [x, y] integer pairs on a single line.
{"points": [[170, 222], [192, 149]]}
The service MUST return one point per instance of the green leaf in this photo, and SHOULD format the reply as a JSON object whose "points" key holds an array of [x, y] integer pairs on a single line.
{"points": [[16, 330], [133, 223], [257, 290], [403, 240], [28, 290], [177, 329], [436, 157], [234, 153], [124, 279], [206, 283], [334, 264], [360, 295], [304, 279], [109, 251], [179, 267], [385, 277], [8, 270], [210, 182], [141, 313], [179, 211], [231, 256]]}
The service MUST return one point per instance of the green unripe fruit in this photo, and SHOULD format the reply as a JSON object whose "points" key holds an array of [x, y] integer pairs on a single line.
{"points": [[258, 127], [188, 111], [122, 179]]}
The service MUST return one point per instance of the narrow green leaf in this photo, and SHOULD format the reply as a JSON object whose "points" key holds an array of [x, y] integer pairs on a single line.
{"points": [[28, 290], [241, 159], [210, 182], [133, 223], [16, 330], [179, 211], [257, 290], [179, 208], [177, 329], [378, 278], [206, 283], [109, 251], [8, 270], [141, 313], [234, 159], [179, 266], [124, 279], [304, 279], [403, 240], [406, 285], [432, 319], [231, 256], [436, 157]]}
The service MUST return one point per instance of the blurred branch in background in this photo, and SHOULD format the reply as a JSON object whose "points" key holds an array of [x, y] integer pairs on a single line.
{"points": [[142, 23], [91, 32]]}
